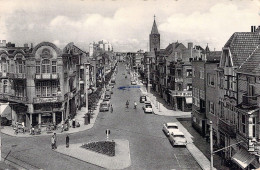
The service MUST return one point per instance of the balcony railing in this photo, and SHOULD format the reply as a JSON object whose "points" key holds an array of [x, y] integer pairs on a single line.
{"points": [[178, 79], [249, 100], [13, 98], [227, 128], [47, 99], [47, 76]]}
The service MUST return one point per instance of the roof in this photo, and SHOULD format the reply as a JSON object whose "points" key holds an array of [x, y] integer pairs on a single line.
{"points": [[214, 56], [174, 46], [241, 45], [252, 63], [154, 28], [171, 124]]}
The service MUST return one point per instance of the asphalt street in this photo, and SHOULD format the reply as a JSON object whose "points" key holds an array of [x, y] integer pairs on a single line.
{"points": [[149, 147]]}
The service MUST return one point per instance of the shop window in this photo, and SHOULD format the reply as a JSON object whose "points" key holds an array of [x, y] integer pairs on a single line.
{"points": [[254, 126]]}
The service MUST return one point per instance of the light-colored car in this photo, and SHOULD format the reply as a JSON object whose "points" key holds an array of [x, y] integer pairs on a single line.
{"points": [[170, 127], [148, 108], [177, 139], [133, 83], [104, 106]]}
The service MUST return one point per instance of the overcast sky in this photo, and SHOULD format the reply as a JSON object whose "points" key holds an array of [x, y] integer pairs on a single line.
{"points": [[126, 24]]}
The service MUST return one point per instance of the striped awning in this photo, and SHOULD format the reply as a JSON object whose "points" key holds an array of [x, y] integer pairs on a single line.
{"points": [[5, 110], [243, 158]]}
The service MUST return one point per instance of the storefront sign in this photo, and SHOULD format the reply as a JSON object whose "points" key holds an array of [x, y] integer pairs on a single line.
{"points": [[181, 93]]}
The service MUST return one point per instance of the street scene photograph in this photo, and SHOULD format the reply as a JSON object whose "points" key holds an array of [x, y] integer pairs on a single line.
{"points": [[133, 85]]}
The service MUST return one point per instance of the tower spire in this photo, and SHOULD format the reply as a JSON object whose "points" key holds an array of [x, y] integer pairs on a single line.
{"points": [[154, 28]]}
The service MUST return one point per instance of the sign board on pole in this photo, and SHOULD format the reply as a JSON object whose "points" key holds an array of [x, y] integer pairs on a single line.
{"points": [[107, 133]]}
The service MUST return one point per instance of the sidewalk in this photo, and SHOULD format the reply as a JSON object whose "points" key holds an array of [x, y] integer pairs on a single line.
{"points": [[159, 109], [4, 166], [8, 130]]}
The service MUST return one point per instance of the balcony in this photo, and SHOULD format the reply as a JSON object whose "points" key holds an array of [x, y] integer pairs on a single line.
{"points": [[249, 100], [178, 79], [47, 76], [47, 99], [12, 98], [227, 128], [20, 76]]}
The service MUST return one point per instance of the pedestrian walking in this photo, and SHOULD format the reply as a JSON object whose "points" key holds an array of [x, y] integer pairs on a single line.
{"points": [[112, 109], [67, 141], [52, 142], [55, 141]]}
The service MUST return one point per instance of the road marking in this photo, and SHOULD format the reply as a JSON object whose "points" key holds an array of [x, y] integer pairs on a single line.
{"points": [[177, 161]]}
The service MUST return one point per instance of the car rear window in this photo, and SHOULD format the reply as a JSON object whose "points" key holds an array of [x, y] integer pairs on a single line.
{"points": [[179, 136], [148, 106], [172, 127]]}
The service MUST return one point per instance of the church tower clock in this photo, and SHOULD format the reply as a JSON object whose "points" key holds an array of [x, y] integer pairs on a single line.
{"points": [[154, 38]]}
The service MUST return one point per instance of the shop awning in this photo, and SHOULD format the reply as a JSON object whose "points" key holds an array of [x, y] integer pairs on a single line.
{"points": [[188, 100], [5, 110], [243, 158]]}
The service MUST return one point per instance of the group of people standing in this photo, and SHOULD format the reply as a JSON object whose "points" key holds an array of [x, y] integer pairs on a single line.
{"points": [[54, 141]]}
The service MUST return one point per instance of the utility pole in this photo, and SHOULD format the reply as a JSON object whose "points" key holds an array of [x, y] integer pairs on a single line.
{"points": [[211, 146]]}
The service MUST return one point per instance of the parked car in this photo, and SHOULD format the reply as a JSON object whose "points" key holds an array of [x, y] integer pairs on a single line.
{"points": [[148, 108], [143, 99], [177, 139], [170, 127], [113, 81], [104, 106], [108, 95], [133, 82]]}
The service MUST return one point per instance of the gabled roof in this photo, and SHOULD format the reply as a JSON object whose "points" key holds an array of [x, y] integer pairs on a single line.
{"points": [[214, 56], [252, 63], [241, 45], [174, 46], [154, 28]]}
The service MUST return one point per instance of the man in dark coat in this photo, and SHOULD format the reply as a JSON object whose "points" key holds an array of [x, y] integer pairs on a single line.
{"points": [[67, 141]]}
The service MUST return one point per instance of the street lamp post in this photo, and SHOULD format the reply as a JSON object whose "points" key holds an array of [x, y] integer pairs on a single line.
{"points": [[211, 146]]}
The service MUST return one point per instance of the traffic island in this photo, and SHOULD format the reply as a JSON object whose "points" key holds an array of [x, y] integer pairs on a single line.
{"points": [[120, 160]]}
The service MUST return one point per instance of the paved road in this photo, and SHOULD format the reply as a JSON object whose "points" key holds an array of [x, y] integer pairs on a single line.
{"points": [[149, 148]]}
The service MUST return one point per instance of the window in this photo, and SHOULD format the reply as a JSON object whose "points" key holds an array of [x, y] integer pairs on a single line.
{"points": [[211, 80], [189, 72], [20, 66], [46, 89], [4, 65], [54, 67], [254, 127], [12, 70], [189, 87], [45, 66], [201, 73], [193, 72], [211, 107], [5, 90], [243, 124], [221, 83], [38, 67], [179, 73]]}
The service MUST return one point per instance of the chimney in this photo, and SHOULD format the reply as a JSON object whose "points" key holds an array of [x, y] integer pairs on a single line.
{"points": [[4, 43], [26, 45], [31, 45], [190, 45], [252, 28]]}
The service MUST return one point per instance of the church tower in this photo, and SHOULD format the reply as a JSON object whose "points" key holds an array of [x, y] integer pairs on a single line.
{"points": [[154, 38]]}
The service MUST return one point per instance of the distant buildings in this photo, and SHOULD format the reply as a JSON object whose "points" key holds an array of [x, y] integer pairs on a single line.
{"points": [[101, 46]]}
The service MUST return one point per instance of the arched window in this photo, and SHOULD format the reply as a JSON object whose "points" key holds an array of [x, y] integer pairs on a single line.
{"points": [[5, 90], [4, 65], [45, 66]]}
